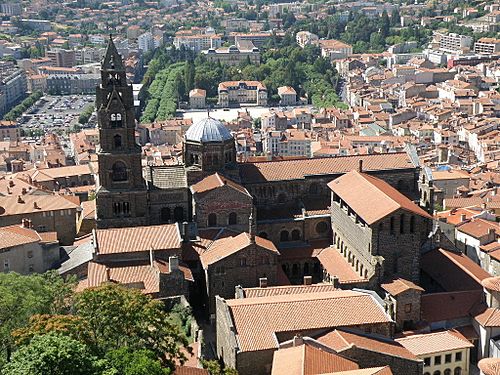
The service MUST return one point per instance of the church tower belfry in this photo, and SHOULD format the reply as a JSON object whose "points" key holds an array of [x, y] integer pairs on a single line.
{"points": [[121, 190]]}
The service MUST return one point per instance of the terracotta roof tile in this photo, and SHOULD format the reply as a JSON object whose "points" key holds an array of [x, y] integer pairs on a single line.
{"points": [[435, 342], [186, 370], [336, 265], [308, 360], [437, 307], [16, 235], [385, 370], [398, 286], [257, 319], [479, 227], [340, 340], [453, 271], [215, 181], [27, 204], [491, 283], [134, 239], [373, 199], [288, 289], [489, 318], [297, 169], [489, 366], [230, 245]]}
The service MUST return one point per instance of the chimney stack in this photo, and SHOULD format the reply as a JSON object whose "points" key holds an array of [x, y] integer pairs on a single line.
{"points": [[185, 231], [108, 274], [335, 282], [25, 223], [173, 264], [36, 206], [298, 340], [463, 217], [308, 280], [360, 166], [20, 199], [263, 282]]}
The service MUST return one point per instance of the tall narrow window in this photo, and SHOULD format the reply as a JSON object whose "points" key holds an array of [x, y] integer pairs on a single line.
{"points": [[119, 171], [212, 220], [126, 208], [233, 218], [117, 140], [116, 120]]}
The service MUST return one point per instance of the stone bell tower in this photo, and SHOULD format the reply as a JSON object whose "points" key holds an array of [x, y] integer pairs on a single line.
{"points": [[121, 190]]}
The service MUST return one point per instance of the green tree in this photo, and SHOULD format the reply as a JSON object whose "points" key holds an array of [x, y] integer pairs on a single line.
{"points": [[214, 368], [189, 72], [23, 296], [140, 362], [53, 354], [385, 25], [118, 317]]}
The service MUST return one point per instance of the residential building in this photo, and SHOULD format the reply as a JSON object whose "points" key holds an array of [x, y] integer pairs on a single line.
{"points": [[242, 92], [453, 43], [290, 142], [304, 38], [334, 49], [234, 55], [487, 46], [197, 98], [61, 57], [146, 42], [197, 40], [288, 95]]}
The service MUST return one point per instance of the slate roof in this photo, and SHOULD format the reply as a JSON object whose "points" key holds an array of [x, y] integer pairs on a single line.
{"points": [[208, 130], [167, 177]]}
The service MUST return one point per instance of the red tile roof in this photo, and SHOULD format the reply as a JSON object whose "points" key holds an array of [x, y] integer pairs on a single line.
{"points": [[398, 286], [288, 289], [298, 169], [438, 307], [453, 271], [135, 239], [309, 360], [489, 366], [28, 204], [435, 342], [479, 228], [489, 318], [215, 181], [336, 265], [256, 320], [340, 340], [16, 235], [373, 199]]}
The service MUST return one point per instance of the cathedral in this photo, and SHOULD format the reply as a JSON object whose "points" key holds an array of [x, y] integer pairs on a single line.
{"points": [[289, 200]]}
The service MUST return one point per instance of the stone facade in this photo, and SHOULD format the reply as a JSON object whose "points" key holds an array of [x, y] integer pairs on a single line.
{"points": [[404, 308], [121, 192]]}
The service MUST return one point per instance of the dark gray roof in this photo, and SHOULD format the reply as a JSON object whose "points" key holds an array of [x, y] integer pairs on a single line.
{"points": [[208, 130]]}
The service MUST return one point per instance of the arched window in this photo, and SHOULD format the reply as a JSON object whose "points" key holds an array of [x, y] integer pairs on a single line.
{"points": [[322, 227], [212, 220], [402, 223], [126, 208], [447, 372], [115, 120], [437, 372], [263, 235], [233, 218], [119, 172], [117, 140], [457, 371], [295, 235], [284, 236], [117, 208], [165, 215], [178, 214], [412, 224]]}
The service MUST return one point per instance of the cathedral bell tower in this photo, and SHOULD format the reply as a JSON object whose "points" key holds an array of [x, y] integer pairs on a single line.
{"points": [[121, 190]]}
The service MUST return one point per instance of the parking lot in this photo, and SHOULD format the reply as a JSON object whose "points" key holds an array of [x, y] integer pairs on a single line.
{"points": [[56, 112]]}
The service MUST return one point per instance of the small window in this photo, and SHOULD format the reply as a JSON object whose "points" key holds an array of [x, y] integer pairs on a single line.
{"points": [[212, 220], [117, 140], [458, 357], [437, 360], [321, 227], [116, 120], [233, 218], [284, 236], [447, 358], [6, 265], [408, 308], [126, 208], [30, 254], [31, 268], [243, 262]]}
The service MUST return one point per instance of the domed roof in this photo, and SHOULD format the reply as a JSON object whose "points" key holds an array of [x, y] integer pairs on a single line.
{"points": [[208, 130]]}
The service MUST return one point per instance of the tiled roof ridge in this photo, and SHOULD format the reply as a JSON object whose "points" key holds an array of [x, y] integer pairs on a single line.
{"points": [[301, 298], [325, 157], [465, 269]]}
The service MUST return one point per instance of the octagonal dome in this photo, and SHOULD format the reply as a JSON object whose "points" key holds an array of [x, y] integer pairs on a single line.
{"points": [[208, 130]]}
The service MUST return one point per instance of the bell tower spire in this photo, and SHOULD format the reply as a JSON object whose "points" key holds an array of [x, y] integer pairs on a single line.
{"points": [[121, 190]]}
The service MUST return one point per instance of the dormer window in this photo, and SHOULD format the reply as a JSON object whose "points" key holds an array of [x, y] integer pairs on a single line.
{"points": [[116, 120]]}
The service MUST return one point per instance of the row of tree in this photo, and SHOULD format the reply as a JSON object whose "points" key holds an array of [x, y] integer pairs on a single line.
{"points": [[19, 109]]}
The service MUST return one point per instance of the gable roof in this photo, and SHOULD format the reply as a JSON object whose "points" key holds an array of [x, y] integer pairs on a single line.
{"points": [[372, 199], [453, 271], [298, 169], [435, 342], [17, 235], [287, 289], [489, 318], [398, 286], [256, 320], [340, 340], [135, 239], [28, 204], [215, 181], [336, 265], [225, 247], [306, 359]]}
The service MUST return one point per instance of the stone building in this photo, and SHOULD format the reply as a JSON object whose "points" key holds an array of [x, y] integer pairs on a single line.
{"points": [[234, 55], [242, 92], [121, 189], [378, 229], [403, 302], [243, 259], [250, 330]]}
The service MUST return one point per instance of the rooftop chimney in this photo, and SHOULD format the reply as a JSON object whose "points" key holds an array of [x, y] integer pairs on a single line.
{"points": [[360, 166], [173, 264], [263, 282], [11, 183], [491, 233], [108, 274], [20, 199], [463, 217], [298, 340], [25, 223], [185, 231], [335, 282], [308, 280]]}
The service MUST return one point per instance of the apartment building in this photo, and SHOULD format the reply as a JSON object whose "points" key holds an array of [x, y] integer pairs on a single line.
{"points": [[290, 142], [13, 85], [453, 43], [146, 42], [197, 39], [487, 46], [258, 39], [234, 55], [242, 92], [303, 38], [61, 57], [334, 49]]}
